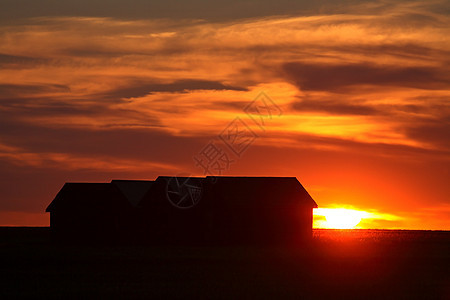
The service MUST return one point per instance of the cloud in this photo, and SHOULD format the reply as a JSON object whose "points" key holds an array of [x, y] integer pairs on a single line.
{"points": [[118, 143], [334, 107], [194, 9], [18, 90], [433, 131], [16, 61], [140, 89], [341, 77]]}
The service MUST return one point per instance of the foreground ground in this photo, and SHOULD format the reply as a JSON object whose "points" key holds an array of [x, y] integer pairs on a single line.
{"points": [[358, 264]]}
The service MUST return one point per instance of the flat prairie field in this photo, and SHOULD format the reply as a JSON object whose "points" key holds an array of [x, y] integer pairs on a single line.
{"points": [[336, 264]]}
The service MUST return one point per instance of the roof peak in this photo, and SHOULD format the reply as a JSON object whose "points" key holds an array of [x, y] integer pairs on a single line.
{"points": [[251, 177], [131, 180], [87, 183]]}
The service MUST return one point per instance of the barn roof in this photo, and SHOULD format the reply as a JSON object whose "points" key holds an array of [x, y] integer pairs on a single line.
{"points": [[133, 190], [259, 190], [169, 186], [231, 190], [87, 196]]}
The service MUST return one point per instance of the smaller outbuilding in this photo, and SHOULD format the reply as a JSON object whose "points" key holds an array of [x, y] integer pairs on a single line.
{"points": [[89, 211]]}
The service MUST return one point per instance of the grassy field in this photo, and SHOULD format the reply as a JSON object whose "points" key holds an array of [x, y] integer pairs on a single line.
{"points": [[338, 264]]}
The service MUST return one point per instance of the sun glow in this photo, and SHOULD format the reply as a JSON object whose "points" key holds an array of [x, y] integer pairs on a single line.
{"points": [[338, 218]]}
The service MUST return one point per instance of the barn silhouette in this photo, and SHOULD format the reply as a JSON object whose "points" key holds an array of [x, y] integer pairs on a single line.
{"points": [[212, 209]]}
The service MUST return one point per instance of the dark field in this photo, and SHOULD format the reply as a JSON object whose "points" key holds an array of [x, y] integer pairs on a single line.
{"points": [[349, 264]]}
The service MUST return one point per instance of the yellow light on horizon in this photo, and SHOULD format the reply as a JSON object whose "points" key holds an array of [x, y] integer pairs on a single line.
{"points": [[338, 218]]}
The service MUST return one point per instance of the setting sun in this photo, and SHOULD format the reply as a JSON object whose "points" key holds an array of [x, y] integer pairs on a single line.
{"points": [[338, 218]]}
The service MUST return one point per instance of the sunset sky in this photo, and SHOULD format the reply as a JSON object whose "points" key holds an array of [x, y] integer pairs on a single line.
{"points": [[360, 91]]}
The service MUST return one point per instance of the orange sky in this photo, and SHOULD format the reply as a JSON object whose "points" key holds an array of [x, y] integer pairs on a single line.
{"points": [[363, 91]]}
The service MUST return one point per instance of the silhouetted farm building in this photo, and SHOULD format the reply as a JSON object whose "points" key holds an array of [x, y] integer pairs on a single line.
{"points": [[217, 210], [88, 210]]}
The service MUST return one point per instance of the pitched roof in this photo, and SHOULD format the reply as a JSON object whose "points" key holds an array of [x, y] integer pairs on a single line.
{"points": [[87, 196], [231, 190], [259, 190], [133, 190], [166, 187]]}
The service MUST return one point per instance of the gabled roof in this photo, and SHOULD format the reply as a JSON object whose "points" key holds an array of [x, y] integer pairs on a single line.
{"points": [[259, 190], [133, 190], [87, 196], [234, 190], [169, 186], [228, 190]]}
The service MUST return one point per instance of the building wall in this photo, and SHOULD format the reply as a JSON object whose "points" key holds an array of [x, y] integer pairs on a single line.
{"points": [[235, 224], [84, 225]]}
